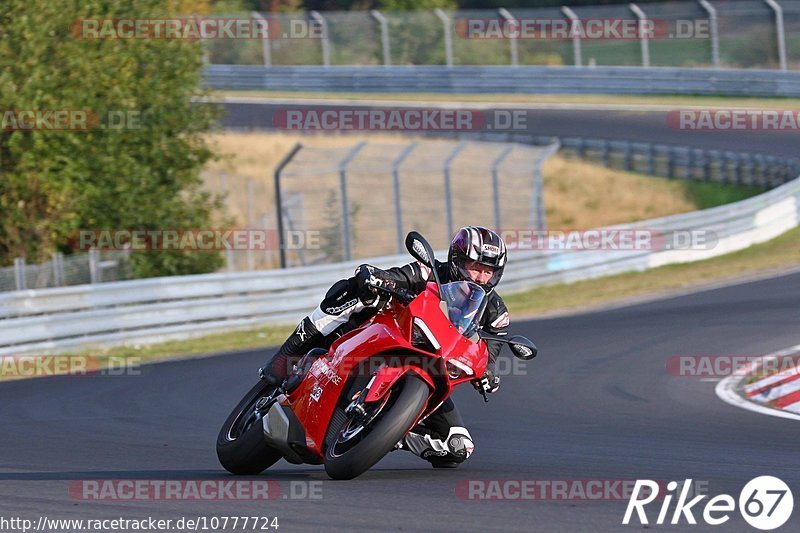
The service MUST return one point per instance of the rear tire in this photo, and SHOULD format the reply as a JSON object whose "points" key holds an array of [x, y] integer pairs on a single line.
{"points": [[241, 447], [345, 460]]}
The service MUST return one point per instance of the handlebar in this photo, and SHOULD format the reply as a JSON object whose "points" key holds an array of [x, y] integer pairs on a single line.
{"points": [[404, 296]]}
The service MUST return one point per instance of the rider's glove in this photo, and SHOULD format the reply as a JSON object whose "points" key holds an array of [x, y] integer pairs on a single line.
{"points": [[488, 383], [367, 278]]}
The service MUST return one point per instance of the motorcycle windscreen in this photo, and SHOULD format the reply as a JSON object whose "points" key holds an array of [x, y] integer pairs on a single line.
{"points": [[465, 303]]}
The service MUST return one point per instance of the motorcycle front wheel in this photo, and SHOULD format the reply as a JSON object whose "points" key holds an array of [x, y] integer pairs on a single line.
{"points": [[361, 442]]}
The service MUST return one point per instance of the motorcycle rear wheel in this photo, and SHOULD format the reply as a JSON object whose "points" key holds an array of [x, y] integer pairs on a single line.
{"points": [[358, 445]]}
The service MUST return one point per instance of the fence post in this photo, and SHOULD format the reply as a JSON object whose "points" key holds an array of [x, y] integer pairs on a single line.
{"points": [[758, 170], [496, 185], [670, 162], [512, 40], [538, 212], [643, 37], [348, 251], [576, 35], [626, 156], [95, 275], [713, 30], [581, 148], [651, 157], [448, 37], [265, 44], [58, 269], [739, 162], [250, 220], [398, 209], [380, 19], [325, 40], [278, 201], [779, 29], [604, 152], [230, 260], [448, 200], [19, 274]]}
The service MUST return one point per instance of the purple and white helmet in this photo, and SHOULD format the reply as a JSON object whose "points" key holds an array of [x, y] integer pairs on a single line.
{"points": [[478, 244]]}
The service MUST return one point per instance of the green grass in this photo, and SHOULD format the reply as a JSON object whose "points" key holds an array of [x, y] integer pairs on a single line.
{"points": [[705, 195]]}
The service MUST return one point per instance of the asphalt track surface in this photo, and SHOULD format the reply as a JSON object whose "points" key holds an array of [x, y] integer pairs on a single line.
{"points": [[637, 125], [597, 403]]}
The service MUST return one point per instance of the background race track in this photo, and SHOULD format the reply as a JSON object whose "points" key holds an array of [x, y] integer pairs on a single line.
{"points": [[597, 403], [606, 122]]}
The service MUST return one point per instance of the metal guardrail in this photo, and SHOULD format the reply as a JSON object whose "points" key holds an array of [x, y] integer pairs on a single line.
{"points": [[686, 162], [160, 308], [501, 79]]}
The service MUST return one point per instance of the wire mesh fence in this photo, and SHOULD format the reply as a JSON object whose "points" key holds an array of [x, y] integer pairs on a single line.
{"points": [[741, 33], [359, 201], [76, 269]]}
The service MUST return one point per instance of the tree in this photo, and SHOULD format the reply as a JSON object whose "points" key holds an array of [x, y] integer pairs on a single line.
{"points": [[144, 174]]}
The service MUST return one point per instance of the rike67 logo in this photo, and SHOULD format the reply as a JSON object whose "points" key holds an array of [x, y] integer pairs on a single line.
{"points": [[765, 503]]}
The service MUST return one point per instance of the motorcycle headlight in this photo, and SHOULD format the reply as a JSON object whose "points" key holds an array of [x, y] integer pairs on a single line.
{"points": [[422, 337], [456, 369]]}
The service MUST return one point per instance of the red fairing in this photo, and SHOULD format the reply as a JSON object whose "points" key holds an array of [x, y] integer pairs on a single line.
{"points": [[388, 337]]}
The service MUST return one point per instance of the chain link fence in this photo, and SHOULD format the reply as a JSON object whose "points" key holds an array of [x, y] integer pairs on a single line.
{"points": [[731, 34], [77, 269], [359, 201]]}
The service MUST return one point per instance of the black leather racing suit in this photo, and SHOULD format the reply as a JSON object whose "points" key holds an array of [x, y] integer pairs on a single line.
{"points": [[442, 438]]}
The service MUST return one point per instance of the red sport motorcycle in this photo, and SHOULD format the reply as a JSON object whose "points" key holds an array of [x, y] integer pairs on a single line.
{"points": [[348, 406]]}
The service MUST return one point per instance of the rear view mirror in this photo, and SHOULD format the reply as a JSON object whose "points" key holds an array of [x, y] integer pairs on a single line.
{"points": [[419, 248], [522, 347]]}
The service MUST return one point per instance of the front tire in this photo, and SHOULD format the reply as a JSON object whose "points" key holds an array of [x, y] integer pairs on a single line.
{"points": [[353, 450], [241, 447]]}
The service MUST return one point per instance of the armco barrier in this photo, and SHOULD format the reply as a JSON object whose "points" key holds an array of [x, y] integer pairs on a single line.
{"points": [[499, 79], [36, 321]]}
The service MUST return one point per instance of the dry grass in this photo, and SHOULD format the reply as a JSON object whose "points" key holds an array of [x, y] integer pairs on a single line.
{"points": [[580, 195]]}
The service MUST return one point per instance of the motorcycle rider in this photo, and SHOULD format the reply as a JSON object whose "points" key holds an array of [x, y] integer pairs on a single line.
{"points": [[476, 254]]}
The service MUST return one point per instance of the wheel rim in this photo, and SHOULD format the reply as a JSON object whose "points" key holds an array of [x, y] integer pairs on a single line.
{"points": [[355, 430], [247, 417]]}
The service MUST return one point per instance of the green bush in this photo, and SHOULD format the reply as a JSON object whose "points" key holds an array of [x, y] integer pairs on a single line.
{"points": [[146, 176]]}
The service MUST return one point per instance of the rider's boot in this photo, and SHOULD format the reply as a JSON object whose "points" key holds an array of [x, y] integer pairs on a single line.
{"points": [[304, 338], [447, 453]]}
